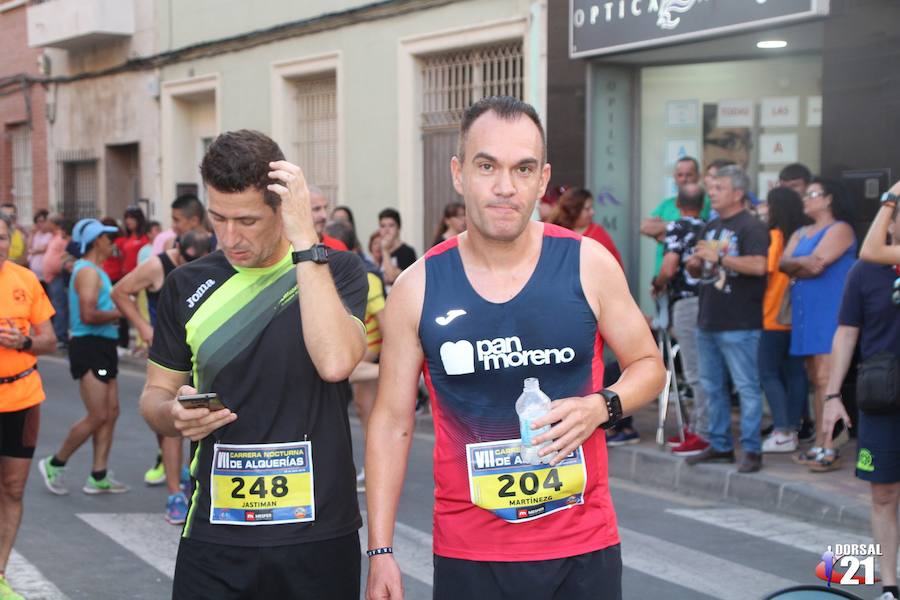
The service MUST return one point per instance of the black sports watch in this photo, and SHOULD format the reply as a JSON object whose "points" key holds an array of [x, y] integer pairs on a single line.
{"points": [[613, 407], [26, 345], [889, 198], [318, 253]]}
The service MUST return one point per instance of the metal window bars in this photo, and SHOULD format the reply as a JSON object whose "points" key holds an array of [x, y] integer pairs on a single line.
{"points": [[315, 136], [453, 81], [22, 172], [77, 184]]}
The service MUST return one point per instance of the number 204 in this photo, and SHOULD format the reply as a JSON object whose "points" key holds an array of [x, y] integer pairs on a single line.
{"points": [[259, 488], [529, 483]]}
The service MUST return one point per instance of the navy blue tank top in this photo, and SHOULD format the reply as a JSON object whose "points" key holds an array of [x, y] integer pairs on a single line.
{"points": [[477, 355]]}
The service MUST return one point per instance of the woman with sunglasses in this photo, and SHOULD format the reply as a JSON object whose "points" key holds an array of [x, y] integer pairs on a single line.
{"points": [[818, 258]]}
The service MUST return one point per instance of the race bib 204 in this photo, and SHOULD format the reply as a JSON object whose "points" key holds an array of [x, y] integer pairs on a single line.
{"points": [[262, 484], [515, 491]]}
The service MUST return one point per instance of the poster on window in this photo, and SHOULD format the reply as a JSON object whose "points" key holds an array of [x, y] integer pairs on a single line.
{"points": [[678, 149], [779, 112], [727, 142], [682, 113], [777, 148], [814, 111], [735, 113]]}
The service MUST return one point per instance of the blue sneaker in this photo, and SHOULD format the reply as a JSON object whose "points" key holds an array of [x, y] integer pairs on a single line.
{"points": [[176, 509], [622, 438]]}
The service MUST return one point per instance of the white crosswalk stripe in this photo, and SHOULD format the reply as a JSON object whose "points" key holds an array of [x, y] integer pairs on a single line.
{"points": [[810, 537], [145, 535], [697, 571], [149, 538], [29, 582]]}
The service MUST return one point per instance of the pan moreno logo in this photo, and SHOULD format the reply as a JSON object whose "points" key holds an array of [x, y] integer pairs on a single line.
{"points": [[462, 357]]}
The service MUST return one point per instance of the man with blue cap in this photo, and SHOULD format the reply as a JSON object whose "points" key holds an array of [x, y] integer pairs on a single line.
{"points": [[93, 361]]}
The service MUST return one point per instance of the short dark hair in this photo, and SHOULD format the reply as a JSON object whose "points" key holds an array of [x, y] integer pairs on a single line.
{"points": [[691, 160], [41, 214], [690, 201], [239, 160], [390, 213], [152, 224], [190, 206], [505, 107], [841, 206], [795, 171]]}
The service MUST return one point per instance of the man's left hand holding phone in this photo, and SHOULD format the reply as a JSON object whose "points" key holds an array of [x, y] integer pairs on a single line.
{"points": [[198, 415]]}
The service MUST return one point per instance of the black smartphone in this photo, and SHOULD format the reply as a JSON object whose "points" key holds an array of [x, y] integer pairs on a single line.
{"points": [[210, 401]]}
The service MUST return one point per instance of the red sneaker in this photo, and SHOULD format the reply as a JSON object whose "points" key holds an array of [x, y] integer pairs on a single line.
{"points": [[691, 446], [675, 440]]}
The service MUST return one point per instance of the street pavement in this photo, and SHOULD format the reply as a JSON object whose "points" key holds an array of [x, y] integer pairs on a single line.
{"points": [[119, 546]]}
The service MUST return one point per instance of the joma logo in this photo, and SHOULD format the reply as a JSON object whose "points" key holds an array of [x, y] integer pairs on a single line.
{"points": [[195, 297]]}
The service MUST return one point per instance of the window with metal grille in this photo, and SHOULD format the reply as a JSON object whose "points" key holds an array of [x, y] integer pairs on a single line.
{"points": [[315, 132], [20, 142], [453, 81], [78, 194]]}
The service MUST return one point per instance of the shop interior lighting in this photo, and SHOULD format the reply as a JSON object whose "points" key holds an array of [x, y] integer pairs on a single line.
{"points": [[771, 44]]}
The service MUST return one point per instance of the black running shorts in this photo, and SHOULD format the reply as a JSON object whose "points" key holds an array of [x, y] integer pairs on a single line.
{"points": [[878, 457], [95, 354], [595, 576], [19, 432], [327, 569]]}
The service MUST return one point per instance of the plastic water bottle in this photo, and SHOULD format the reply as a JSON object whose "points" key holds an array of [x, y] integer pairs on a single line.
{"points": [[532, 405]]}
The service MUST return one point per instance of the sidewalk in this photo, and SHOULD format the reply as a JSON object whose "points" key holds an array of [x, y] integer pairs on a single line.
{"points": [[836, 498]]}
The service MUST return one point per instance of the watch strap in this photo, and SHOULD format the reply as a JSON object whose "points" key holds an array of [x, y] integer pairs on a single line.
{"points": [[317, 253], [613, 408], [888, 198]]}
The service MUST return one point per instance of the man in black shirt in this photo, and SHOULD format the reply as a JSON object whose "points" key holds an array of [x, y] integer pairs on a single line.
{"points": [[395, 255], [731, 263], [272, 324]]}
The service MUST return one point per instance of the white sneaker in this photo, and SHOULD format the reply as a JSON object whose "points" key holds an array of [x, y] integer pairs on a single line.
{"points": [[780, 441], [886, 596]]}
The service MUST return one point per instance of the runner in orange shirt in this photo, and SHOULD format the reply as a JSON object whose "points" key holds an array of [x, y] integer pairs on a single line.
{"points": [[25, 332]]}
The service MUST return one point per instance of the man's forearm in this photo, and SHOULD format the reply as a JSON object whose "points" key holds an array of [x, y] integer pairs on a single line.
{"points": [[388, 440], [754, 266], [129, 309], [390, 272], [335, 340], [156, 408], [875, 248], [640, 383]]}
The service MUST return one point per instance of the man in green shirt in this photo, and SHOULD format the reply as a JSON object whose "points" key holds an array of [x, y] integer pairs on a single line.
{"points": [[687, 170]]}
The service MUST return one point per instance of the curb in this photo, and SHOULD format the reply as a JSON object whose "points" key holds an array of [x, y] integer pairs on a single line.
{"points": [[722, 482]]}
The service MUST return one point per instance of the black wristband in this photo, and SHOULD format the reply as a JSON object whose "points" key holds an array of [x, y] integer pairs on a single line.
{"points": [[831, 396], [377, 551]]}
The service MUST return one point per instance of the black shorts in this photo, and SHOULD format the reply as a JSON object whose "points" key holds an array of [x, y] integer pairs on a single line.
{"points": [[328, 569], [19, 432], [95, 354], [595, 576], [878, 458]]}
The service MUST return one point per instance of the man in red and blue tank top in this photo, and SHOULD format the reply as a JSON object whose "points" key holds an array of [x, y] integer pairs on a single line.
{"points": [[508, 300]]}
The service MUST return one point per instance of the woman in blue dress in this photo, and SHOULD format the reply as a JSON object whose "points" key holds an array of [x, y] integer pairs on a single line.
{"points": [[818, 258]]}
